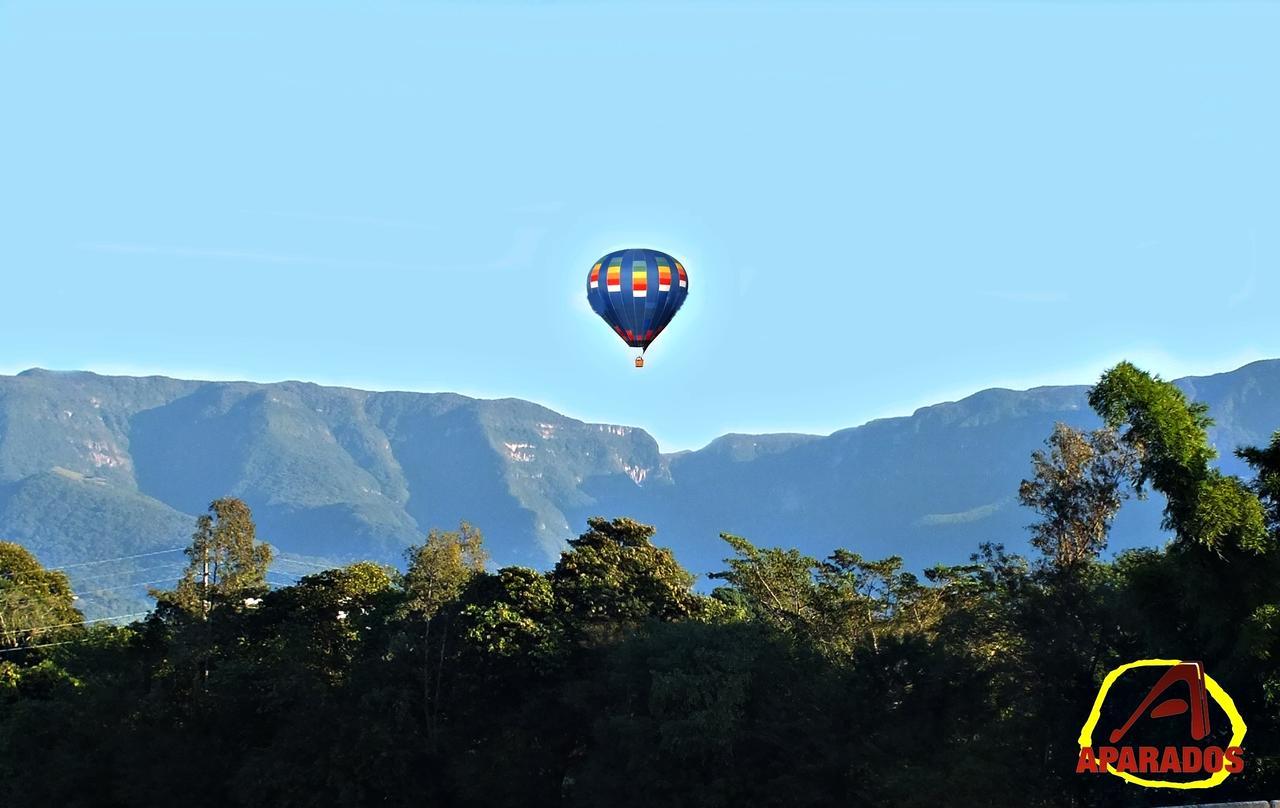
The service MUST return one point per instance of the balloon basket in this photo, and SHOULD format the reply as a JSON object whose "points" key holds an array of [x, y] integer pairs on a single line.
{"points": [[639, 361]]}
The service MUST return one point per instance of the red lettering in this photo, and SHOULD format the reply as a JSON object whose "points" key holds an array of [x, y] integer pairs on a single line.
{"points": [[1148, 757], [1234, 759], [1087, 762], [1212, 759], [1192, 758], [1127, 762], [1155, 760]]}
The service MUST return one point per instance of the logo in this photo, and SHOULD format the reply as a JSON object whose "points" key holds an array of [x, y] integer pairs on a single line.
{"points": [[1184, 733]]}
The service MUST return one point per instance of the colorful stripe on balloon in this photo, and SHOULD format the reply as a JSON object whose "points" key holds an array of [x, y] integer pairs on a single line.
{"points": [[613, 280], [639, 279], [664, 276]]}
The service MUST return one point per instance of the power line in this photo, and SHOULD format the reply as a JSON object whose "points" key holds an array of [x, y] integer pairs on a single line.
{"points": [[170, 565], [46, 585], [306, 563], [41, 645], [78, 623], [127, 586], [117, 558]]}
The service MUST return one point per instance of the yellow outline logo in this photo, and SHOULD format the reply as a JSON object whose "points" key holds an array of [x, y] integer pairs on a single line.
{"points": [[1214, 690]]}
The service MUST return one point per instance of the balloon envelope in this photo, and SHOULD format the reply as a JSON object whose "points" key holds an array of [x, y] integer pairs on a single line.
{"points": [[637, 292]]}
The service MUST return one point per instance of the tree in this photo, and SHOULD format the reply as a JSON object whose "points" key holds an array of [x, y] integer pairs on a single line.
{"points": [[613, 577], [1204, 506], [517, 694], [1225, 561], [860, 601], [439, 569], [34, 602], [323, 617], [775, 584], [226, 565], [510, 615], [839, 605], [1266, 464], [1077, 488], [315, 649]]}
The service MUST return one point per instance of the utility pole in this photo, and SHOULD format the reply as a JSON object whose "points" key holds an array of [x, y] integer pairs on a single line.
{"points": [[204, 582], [204, 608]]}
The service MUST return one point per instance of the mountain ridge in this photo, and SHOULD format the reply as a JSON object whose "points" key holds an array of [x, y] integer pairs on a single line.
{"points": [[93, 463]]}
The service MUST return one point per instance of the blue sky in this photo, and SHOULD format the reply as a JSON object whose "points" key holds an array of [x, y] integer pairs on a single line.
{"points": [[881, 205]]}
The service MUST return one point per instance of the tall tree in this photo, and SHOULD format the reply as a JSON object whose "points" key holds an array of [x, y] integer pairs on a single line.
{"points": [[1077, 487], [226, 564], [439, 569]]}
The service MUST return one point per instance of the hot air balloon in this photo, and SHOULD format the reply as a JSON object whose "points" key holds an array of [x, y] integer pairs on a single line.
{"points": [[637, 292]]}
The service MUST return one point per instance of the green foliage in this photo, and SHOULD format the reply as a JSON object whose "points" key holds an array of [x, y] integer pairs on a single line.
{"points": [[35, 604], [773, 584], [439, 570], [1266, 465], [1170, 436], [1077, 488], [511, 615], [614, 577], [842, 605], [226, 565], [441, 566]]}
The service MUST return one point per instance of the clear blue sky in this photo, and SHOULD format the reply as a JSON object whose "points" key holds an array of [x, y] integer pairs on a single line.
{"points": [[881, 205]]}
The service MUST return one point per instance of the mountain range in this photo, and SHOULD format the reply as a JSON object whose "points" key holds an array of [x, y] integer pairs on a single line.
{"points": [[95, 467]]}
